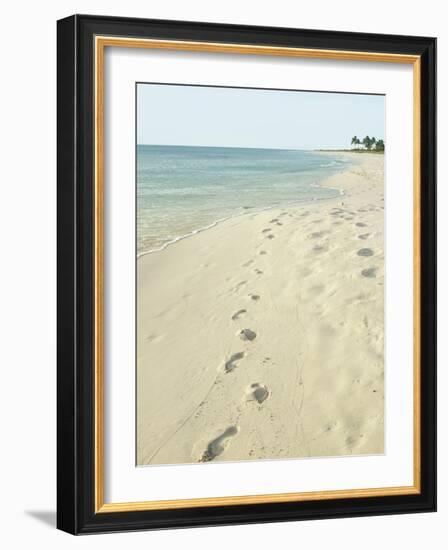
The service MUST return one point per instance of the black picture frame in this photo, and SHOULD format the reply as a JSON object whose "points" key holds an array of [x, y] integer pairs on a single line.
{"points": [[76, 512]]}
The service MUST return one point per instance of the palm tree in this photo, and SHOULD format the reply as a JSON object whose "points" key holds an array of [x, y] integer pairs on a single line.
{"points": [[379, 146], [367, 143], [355, 141], [372, 142]]}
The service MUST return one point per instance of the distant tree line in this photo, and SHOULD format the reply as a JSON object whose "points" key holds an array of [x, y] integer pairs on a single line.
{"points": [[369, 143]]}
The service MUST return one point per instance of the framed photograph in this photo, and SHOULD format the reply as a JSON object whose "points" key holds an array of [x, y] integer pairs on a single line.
{"points": [[246, 274]]}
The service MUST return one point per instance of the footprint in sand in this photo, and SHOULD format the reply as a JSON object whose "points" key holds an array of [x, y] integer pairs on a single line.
{"points": [[254, 297], [370, 272], [270, 236], [231, 363], [266, 230], [262, 252], [317, 289], [239, 285], [365, 252], [351, 441], [279, 223], [238, 314], [317, 234], [258, 271], [247, 334], [152, 338], [275, 220], [361, 224], [246, 264], [218, 445], [364, 236], [259, 393]]}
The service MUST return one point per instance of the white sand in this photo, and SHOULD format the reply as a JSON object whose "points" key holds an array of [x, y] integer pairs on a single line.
{"points": [[306, 378]]}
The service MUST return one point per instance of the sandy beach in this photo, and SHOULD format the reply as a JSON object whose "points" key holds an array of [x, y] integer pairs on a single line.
{"points": [[262, 337]]}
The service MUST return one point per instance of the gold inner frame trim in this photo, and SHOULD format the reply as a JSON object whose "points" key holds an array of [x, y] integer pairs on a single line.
{"points": [[101, 42]]}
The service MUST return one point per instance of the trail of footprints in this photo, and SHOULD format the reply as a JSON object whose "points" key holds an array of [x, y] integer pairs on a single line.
{"points": [[256, 392], [369, 272]]}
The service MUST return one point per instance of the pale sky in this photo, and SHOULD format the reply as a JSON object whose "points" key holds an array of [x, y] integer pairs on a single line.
{"points": [[235, 117]]}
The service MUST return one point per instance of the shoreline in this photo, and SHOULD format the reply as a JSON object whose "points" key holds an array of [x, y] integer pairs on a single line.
{"points": [[251, 211], [262, 338], [241, 214]]}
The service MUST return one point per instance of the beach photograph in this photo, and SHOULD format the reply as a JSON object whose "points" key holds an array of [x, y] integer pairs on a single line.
{"points": [[259, 274]]}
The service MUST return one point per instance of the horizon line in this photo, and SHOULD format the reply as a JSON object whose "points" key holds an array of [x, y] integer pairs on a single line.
{"points": [[245, 147]]}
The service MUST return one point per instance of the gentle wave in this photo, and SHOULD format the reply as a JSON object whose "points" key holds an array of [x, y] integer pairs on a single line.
{"points": [[240, 214]]}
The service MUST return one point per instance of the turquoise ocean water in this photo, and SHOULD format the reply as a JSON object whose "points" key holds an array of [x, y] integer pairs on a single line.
{"points": [[181, 190]]}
